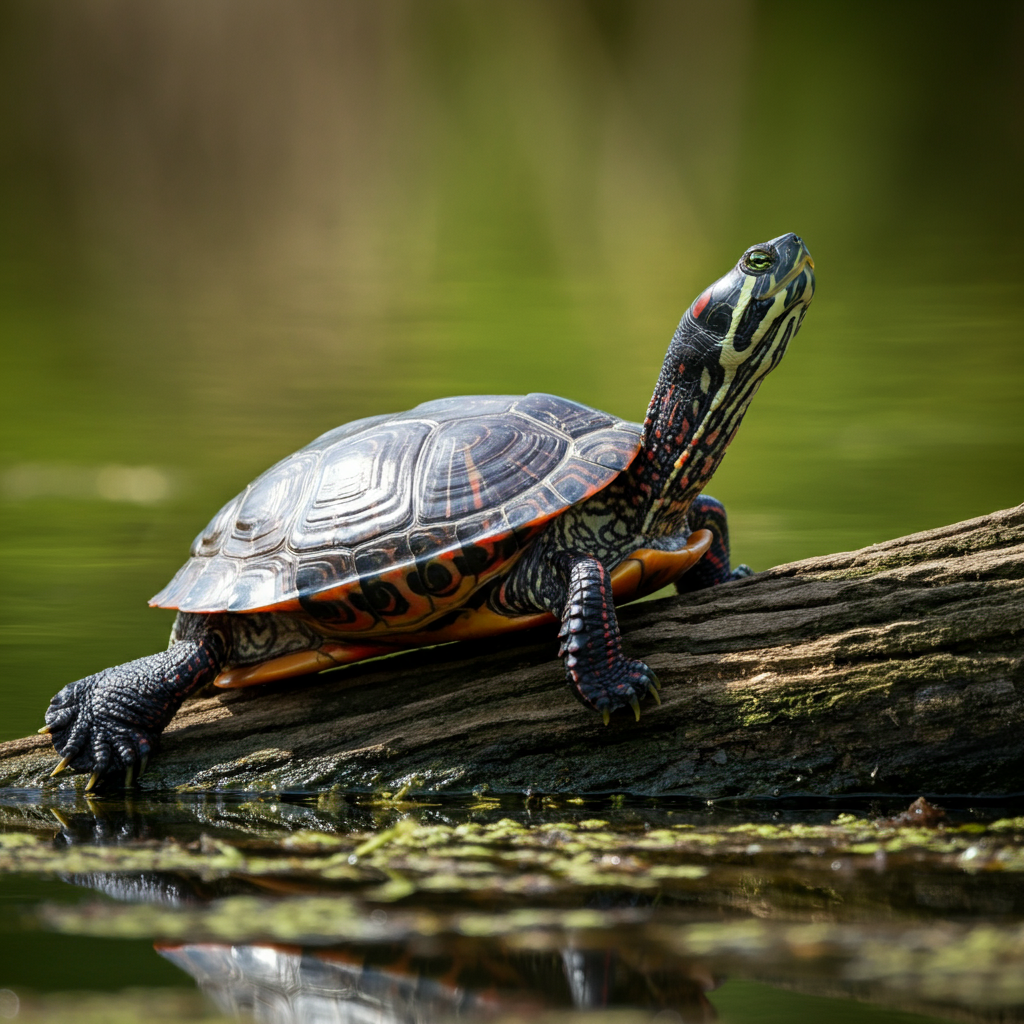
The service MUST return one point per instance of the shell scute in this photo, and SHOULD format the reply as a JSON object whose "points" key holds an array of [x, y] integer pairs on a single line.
{"points": [[257, 584], [265, 511], [481, 463], [612, 449], [538, 505], [443, 410], [564, 415], [390, 520], [360, 493], [573, 482], [210, 540]]}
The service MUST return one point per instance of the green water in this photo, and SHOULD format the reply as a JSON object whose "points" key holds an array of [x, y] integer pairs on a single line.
{"points": [[227, 227]]}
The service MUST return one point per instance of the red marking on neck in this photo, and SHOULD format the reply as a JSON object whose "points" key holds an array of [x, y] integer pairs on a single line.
{"points": [[699, 303]]}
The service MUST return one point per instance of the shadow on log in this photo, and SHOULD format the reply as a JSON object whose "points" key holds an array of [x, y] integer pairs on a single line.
{"points": [[897, 668]]}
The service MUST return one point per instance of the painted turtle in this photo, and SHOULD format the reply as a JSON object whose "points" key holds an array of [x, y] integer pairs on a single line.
{"points": [[463, 517]]}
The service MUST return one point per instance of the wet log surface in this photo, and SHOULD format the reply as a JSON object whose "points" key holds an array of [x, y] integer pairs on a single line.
{"points": [[898, 668]]}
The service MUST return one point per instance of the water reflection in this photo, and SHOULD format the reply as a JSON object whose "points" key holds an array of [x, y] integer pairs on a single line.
{"points": [[139, 485], [438, 980], [276, 930]]}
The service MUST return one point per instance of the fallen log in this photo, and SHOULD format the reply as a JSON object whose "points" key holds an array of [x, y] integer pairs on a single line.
{"points": [[895, 669]]}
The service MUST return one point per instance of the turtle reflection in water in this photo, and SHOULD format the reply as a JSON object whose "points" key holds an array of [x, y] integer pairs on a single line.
{"points": [[464, 517], [451, 979]]}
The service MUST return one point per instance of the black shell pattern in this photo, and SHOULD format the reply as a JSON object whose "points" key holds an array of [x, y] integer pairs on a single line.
{"points": [[383, 492]]}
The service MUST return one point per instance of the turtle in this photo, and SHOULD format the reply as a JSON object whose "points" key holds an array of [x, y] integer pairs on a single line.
{"points": [[463, 517]]}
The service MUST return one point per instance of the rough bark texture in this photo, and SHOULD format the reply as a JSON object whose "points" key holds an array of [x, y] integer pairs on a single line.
{"points": [[898, 668]]}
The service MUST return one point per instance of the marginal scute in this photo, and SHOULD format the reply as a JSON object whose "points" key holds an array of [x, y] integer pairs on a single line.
{"points": [[575, 480], [212, 587], [444, 493], [539, 504], [315, 574], [258, 583], [372, 560]]}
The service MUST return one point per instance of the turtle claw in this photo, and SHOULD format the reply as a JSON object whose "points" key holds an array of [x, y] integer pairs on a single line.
{"points": [[93, 779], [109, 721], [64, 822], [63, 763], [129, 776], [45, 731], [609, 688], [654, 693], [143, 763]]}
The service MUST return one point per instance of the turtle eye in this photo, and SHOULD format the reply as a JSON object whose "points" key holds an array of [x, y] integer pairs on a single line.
{"points": [[759, 260]]}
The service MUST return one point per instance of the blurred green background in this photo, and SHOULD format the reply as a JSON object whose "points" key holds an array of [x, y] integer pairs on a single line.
{"points": [[229, 225]]}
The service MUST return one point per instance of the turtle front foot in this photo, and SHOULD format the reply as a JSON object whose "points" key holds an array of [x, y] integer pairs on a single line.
{"points": [[110, 721], [595, 668], [96, 730], [624, 684]]}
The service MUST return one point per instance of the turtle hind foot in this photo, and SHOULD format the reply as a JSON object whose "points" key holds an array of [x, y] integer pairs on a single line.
{"points": [[109, 722]]}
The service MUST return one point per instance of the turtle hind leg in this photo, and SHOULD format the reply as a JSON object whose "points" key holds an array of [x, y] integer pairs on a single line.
{"points": [[109, 721], [707, 513], [596, 670]]}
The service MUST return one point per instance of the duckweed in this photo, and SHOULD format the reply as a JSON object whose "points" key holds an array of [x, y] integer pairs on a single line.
{"points": [[476, 854]]}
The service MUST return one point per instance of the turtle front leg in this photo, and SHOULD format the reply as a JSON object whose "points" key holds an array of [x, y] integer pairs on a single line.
{"points": [[595, 668], [577, 590], [110, 720]]}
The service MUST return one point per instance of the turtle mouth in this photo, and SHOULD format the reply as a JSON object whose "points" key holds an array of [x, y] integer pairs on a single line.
{"points": [[805, 262]]}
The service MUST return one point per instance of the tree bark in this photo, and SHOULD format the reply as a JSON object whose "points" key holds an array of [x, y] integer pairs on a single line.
{"points": [[898, 668]]}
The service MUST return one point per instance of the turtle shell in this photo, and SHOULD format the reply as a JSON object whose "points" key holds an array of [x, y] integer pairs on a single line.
{"points": [[440, 498]]}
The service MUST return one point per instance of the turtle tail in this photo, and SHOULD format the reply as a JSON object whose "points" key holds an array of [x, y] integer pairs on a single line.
{"points": [[110, 721]]}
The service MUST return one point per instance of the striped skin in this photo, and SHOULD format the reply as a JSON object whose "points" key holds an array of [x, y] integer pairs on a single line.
{"points": [[733, 335]]}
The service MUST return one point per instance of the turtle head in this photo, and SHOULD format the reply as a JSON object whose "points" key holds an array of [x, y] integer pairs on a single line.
{"points": [[749, 315], [734, 333]]}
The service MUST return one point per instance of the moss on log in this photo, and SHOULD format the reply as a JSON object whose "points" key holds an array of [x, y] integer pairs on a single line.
{"points": [[898, 668]]}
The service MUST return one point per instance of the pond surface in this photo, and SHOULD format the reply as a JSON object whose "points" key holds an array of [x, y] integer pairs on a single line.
{"points": [[226, 228], [337, 908]]}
